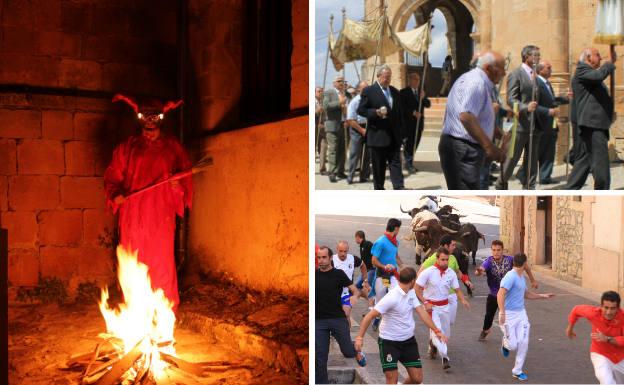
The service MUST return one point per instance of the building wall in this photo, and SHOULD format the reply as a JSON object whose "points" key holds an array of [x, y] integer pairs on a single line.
{"points": [[250, 215], [53, 148], [587, 237]]}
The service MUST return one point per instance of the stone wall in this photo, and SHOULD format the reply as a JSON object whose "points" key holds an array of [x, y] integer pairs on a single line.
{"points": [[299, 91], [54, 148], [253, 223], [568, 248]]}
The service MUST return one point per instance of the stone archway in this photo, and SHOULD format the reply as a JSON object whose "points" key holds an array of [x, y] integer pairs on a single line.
{"points": [[461, 17]]}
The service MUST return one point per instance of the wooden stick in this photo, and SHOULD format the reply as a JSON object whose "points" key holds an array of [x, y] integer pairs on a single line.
{"points": [[81, 358], [186, 366], [98, 371], [121, 366]]}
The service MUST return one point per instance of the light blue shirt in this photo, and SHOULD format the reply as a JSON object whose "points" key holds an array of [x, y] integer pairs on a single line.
{"points": [[385, 251], [352, 110], [516, 287], [472, 93]]}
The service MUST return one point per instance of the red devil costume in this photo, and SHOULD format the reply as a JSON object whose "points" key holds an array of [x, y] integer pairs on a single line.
{"points": [[147, 219]]}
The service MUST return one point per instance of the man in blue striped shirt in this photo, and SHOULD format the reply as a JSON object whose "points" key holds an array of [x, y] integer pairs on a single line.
{"points": [[468, 131]]}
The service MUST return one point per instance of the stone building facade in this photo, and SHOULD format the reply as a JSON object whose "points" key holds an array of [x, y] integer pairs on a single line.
{"points": [[578, 238], [561, 28]]}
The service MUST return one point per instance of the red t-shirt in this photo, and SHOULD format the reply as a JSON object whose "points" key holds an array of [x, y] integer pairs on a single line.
{"points": [[611, 328]]}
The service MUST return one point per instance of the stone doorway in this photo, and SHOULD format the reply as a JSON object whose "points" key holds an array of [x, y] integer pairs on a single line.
{"points": [[454, 25]]}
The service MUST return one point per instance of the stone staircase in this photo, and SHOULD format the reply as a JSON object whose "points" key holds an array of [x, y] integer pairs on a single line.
{"points": [[434, 116]]}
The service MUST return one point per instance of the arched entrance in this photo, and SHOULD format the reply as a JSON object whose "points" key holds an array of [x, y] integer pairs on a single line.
{"points": [[461, 18]]}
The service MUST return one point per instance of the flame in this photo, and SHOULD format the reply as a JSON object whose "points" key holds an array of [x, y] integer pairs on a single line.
{"points": [[146, 315]]}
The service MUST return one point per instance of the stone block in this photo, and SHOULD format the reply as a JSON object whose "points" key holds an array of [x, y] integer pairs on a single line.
{"points": [[22, 228], [60, 228], [17, 13], [97, 262], [33, 192], [8, 157], [59, 44], [57, 125], [23, 267], [18, 40], [80, 74], [80, 158], [29, 69], [98, 223], [94, 127], [40, 156], [76, 16], [82, 192], [20, 123], [4, 194], [60, 262], [47, 14]]}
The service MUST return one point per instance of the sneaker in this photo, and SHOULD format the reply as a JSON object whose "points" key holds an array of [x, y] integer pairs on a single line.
{"points": [[483, 335], [505, 351], [521, 377], [360, 358], [445, 363]]}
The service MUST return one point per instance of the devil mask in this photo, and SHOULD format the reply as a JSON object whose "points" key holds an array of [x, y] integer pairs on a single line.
{"points": [[151, 115]]}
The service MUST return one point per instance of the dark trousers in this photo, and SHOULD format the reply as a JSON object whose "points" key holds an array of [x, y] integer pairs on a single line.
{"points": [[592, 154], [522, 145], [412, 142], [324, 328], [392, 157], [546, 154], [461, 163], [358, 151], [490, 310]]}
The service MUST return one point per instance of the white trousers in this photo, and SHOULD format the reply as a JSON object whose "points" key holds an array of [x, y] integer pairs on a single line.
{"points": [[452, 307], [606, 371], [442, 319], [516, 336], [381, 289]]}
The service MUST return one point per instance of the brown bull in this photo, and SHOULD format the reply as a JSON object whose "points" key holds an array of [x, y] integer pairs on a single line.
{"points": [[427, 237], [413, 211]]}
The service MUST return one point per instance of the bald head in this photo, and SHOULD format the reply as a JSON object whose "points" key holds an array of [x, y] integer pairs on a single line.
{"points": [[591, 56], [544, 69], [493, 64]]}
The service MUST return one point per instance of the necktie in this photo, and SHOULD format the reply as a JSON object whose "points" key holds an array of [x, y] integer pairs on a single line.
{"points": [[386, 92]]}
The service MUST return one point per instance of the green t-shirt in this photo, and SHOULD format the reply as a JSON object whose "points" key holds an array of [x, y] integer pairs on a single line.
{"points": [[453, 265]]}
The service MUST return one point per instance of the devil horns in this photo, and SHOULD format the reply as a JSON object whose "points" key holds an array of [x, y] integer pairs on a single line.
{"points": [[170, 105], [130, 102]]}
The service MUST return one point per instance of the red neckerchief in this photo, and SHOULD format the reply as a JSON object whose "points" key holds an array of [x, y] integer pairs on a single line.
{"points": [[392, 239], [441, 269]]}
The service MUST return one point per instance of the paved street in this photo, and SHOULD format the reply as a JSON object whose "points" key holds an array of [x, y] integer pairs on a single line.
{"points": [[430, 177], [552, 358]]}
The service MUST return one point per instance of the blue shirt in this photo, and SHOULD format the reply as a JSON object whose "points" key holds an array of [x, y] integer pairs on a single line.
{"points": [[352, 110], [473, 93], [516, 286], [385, 251]]}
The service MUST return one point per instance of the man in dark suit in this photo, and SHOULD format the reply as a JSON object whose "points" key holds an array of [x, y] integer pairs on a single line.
{"points": [[410, 103], [520, 90], [380, 104], [335, 106], [594, 116], [546, 112]]}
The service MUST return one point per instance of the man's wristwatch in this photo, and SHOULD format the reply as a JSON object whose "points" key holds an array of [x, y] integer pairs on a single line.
{"points": [[609, 338]]}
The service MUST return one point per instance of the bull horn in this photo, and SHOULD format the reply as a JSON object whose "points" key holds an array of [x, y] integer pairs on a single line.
{"points": [[462, 215], [420, 228], [482, 236], [449, 230], [401, 207], [467, 233]]}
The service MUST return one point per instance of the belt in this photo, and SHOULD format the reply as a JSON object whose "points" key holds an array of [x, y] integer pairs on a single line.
{"points": [[437, 303], [473, 144]]}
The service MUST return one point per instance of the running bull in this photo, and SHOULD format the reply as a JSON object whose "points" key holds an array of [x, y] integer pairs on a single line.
{"points": [[469, 236]]}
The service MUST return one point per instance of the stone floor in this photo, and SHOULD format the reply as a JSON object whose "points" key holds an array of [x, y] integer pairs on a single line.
{"points": [[43, 337], [430, 177]]}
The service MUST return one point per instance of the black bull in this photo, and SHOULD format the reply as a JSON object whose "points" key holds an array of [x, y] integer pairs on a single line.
{"points": [[469, 238]]}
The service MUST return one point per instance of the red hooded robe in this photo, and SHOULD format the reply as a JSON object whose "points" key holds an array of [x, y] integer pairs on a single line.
{"points": [[147, 220]]}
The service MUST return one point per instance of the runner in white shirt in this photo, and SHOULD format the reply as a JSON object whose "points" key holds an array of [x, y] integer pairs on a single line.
{"points": [[396, 332], [347, 263], [436, 281]]}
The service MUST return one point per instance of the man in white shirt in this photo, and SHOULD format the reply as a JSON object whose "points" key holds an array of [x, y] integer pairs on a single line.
{"points": [[396, 332], [432, 288], [357, 146], [347, 263]]}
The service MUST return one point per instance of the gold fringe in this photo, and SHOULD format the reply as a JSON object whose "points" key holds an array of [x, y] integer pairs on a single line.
{"points": [[609, 39]]}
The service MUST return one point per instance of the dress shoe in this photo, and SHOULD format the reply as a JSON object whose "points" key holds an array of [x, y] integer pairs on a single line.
{"points": [[332, 178], [365, 180], [341, 176], [547, 181], [349, 180]]}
